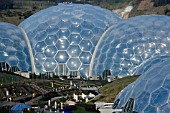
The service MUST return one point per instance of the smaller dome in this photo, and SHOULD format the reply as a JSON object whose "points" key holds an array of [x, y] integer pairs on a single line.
{"points": [[13, 48], [130, 44], [150, 92]]}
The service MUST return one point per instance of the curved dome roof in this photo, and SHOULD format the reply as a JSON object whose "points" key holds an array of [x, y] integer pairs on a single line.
{"points": [[66, 34], [13, 48], [150, 91], [130, 44]]}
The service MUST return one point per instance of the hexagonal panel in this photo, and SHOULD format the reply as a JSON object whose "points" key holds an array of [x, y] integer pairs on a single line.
{"points": [[63, 33], [21, 55], [116, 69], [121, 47], [85, 57], [161, 48], [19, 45], [117, 57], [89, 17], [128, 53], [23, 65], [64, 24], [40, 46], [51, 39], [87, 25], [143, 101], [50, 51], [166, 84], [3, 56], [75, 28], [150, 109], [84, 71], [139, 50], [2, 46], [41, 36], [50, 64], [159, 97], [40, 69], [52, 29], [85, 45], [62, 44], [150, 47], [12, 60], [74, 50], [87, 34], [61, 57], [11, 50], [109, 62], [76, 20], [136, 60], [100, 24], [100, 66], [73, 64], [97, 31], [7, 42], [74, 39], [126, 64], [39, 58], [41, 27], [157, 84], [146, 55]]}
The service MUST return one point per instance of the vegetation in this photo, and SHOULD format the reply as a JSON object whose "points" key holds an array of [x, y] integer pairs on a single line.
{"points": [[10, 78], [85, 108], [115, 4], [110, 91]]}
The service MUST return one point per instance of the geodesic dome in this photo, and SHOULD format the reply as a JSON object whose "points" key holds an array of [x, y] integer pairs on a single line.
{"points": [[150, 92], [63, 37], [131, 45], [14, 55]]}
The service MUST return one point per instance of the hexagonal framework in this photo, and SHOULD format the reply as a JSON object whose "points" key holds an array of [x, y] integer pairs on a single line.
{"points": [[64, 32], [129, 45], [13, 49], [150, 91]]}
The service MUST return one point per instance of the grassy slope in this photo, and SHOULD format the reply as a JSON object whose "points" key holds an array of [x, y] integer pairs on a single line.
{"points": [[12, 20], [7, 77], [110, 91]]}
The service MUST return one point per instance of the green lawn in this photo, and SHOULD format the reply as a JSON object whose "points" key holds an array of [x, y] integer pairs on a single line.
{"points": [[111, 90]]}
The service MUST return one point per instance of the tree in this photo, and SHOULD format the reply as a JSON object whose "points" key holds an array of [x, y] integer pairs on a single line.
{"points": [[6, 4]]}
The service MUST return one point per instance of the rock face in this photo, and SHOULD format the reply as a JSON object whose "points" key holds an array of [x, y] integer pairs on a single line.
{"points": [[124, 13], [145, 7], [160, 2]]}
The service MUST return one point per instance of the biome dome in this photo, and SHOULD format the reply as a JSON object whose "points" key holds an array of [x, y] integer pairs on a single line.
{"points": [[64, 37], [14, 55], [131, 44], [149, 93]]}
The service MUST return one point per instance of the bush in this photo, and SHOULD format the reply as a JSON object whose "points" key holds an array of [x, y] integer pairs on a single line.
{"points": [[27, 14], [88, 107]]}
